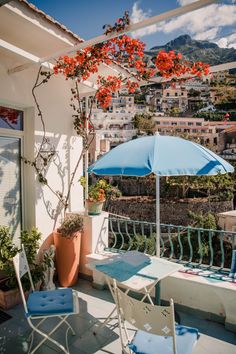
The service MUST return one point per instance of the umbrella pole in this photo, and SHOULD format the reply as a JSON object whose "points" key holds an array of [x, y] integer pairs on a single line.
{"points": [[158, 231]]}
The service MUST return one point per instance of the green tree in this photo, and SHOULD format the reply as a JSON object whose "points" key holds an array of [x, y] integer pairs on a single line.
{"points": [[220, 187], [144, 123]]}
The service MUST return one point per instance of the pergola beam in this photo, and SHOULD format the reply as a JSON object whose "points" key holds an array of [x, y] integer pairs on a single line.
{"points": [[133, 27], [34, 59], [24, 54], [223, 67], [213, 69]]}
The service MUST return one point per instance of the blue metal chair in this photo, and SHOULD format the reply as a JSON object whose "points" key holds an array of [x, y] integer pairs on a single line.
{"points": [[42, 305], [154, 329]]}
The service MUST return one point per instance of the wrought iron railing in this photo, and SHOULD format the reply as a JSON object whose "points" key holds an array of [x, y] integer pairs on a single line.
{"points": [[194, 247]]}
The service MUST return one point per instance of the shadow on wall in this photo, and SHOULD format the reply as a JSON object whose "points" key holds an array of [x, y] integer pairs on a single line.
{"points": [[57, 173]]}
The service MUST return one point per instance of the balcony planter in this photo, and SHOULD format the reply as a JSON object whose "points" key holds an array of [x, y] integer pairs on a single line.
{"points": [[9, 293], [67, 240], [12, 297], [94, 207]]}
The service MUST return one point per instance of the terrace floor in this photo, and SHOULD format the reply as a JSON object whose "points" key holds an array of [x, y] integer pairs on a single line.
{"points": [[95, 305]]}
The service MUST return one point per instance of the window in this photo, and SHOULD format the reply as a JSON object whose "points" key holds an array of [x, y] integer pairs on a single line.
{"points": [[198, 124], [190, 123], [176, 94], [11, 127]]}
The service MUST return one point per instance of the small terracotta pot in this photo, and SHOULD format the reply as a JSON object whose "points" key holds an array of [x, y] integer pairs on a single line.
{"points": [[94, 208], [67, 258]]}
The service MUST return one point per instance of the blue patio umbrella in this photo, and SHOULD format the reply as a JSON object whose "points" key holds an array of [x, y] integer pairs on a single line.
{"points": [[164, 156]]}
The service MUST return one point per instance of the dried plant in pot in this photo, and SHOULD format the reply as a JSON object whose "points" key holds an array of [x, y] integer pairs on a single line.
{"points": [[67, 240]]}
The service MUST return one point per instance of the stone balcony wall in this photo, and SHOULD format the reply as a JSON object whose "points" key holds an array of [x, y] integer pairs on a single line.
{"points": [[172, 212]]}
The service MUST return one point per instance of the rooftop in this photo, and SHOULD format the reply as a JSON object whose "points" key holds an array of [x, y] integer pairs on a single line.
{"points": [[95, 305]]}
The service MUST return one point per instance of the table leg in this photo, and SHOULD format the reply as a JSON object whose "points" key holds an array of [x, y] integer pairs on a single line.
{"points": [[108, 319], [158, 293]]}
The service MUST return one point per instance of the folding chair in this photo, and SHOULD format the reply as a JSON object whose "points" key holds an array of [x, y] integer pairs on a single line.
{"points": [[42, 305], [154, 330]]}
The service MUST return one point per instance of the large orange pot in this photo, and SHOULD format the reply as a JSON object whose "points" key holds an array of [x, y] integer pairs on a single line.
{"points": [[67, 257]]}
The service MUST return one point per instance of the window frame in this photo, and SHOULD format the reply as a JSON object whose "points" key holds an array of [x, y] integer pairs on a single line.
{"points": [[27, 175]]}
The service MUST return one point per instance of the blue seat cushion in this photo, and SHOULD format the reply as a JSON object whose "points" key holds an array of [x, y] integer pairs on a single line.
{"points": [[57, 301], [147, 343]]}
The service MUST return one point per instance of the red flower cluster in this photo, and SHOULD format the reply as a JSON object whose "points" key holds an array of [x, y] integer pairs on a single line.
{"points": [[101, 195], [129, 52], [106, 87], [172, 65], [84, 64], [132, 86]]}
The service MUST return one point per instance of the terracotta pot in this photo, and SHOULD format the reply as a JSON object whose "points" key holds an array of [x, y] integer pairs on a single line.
{"points": [[94, 208], [11, 298], [67, 258]]}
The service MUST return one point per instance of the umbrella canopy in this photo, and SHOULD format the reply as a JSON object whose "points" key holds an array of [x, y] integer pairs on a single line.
{"points": [[164, 156]]}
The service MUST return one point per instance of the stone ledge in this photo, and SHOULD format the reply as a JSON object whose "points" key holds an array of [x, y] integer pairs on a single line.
{"points": [[214, 298]]}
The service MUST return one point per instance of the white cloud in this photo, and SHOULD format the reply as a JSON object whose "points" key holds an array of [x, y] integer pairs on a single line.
{"points": [[213, 16], [138, 15], [227, 42], [207, 35], [185, 2], [204, 23]]}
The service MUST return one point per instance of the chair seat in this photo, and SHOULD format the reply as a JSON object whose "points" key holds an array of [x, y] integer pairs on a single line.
{"points": [[59, 301], [147, 343]]}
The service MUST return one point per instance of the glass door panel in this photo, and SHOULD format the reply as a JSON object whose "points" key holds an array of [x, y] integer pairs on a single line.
{"points": [[10, 183]]}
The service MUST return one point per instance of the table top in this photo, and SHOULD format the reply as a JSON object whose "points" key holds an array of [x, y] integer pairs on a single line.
{"points": [[135, 272]]}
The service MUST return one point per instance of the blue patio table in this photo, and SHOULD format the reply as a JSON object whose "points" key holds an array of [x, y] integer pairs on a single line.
{"points": [[136, 272]]}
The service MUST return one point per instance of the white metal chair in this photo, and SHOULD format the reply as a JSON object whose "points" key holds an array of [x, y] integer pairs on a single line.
{"points": [[42, 305], [155, 330]]}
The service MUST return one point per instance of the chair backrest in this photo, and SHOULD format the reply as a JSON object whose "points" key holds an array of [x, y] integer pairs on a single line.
{"points": [[21, 268], [149, 318]]}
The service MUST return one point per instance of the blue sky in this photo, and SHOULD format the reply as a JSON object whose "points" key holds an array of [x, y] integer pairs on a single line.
{"points": [[216, 23]]}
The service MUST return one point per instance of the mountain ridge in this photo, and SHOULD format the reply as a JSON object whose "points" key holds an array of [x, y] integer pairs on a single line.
{"points": [[196, 50]]}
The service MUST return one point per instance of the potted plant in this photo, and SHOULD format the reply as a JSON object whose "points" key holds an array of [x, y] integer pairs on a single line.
{"points": [[9, 292], [67, 240], [98, 193]]}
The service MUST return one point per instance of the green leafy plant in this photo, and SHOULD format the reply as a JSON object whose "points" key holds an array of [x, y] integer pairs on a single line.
{"points": [[70, 226], [8, 250], [101, 190]]}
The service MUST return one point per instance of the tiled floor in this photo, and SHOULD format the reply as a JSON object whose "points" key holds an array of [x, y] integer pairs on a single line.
{"points": [[95, 305]]}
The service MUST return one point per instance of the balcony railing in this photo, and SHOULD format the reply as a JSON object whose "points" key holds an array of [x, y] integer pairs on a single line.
{"points": [[194, 247]]}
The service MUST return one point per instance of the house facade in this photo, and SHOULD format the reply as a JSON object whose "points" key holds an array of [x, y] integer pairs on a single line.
{"points": [[28, 34]]}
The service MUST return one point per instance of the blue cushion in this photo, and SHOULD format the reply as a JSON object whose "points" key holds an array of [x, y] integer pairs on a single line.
{"points": [[146, 343], [57, 301]]}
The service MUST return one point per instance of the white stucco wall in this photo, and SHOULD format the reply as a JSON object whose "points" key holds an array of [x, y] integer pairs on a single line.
{"points": [[54, 97]]}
